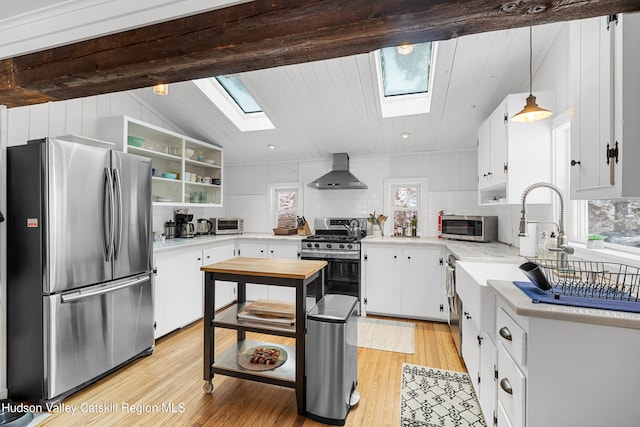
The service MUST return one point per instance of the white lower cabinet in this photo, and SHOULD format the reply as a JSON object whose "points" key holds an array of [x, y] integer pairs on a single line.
{"points": [[225, 291], [285, 250], [570, 373], [403, 281], [178, 289]]}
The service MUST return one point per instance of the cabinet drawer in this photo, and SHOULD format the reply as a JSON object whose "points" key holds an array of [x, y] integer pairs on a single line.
{"points": [[511, 388], [512, 337]]}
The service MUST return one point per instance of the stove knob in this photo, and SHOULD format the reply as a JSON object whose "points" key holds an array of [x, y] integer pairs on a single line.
{"points": [[349, 246], [328, 245], [317, 245], [309, 245], [341, 246]]}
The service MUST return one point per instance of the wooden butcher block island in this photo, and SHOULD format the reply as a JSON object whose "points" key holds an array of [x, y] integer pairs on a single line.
{"points": [[279, 272]]}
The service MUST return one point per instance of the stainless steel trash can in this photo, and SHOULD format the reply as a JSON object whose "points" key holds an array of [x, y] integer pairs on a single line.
{"points": [[332, 359]]}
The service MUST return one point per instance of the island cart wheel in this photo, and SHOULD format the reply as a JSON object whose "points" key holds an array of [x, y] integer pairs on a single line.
{"points": [[208, 387]]}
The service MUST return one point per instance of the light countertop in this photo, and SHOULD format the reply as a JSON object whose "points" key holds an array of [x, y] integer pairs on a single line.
{"points": [[521, 304], [182, 242], [483, 252]]}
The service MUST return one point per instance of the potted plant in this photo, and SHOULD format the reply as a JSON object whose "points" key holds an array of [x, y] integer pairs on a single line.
{"points": [[595, 241]]}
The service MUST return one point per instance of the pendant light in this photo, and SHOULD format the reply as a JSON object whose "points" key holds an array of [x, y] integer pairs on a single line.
{"points": [[531, 111]]}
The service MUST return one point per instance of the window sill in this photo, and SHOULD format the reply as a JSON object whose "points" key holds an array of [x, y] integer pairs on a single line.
{"points": [[607, 254]]}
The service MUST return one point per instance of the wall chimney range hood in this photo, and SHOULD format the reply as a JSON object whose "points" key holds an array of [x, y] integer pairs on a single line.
{"points": [[339, 178]]}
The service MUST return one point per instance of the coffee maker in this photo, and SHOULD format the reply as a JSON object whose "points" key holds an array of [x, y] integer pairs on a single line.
{"points": [[184, 226]]}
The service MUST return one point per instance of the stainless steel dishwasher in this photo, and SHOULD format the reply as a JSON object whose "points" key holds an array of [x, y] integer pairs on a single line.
{"points": [[332, 359]]}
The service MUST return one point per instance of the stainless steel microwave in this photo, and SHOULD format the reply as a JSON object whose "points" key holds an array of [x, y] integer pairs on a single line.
{"points": [[471, 228], [227, 225]]}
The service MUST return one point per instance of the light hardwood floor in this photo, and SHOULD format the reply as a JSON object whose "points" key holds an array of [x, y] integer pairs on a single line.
{"points": [[165, 388]]}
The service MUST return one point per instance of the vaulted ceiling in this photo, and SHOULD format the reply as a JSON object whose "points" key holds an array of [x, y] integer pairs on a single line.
{"points": [[306, 62]]}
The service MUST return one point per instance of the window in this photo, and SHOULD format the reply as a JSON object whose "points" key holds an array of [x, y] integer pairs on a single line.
{"points": [[286, 204], [405, 78], [406, 200]]}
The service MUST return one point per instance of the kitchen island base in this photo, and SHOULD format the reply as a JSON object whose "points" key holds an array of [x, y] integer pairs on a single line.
{"points": [[263, 271]]}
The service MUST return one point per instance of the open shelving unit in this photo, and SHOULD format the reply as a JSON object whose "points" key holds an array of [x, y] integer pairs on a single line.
{"points": [[196, 164]]}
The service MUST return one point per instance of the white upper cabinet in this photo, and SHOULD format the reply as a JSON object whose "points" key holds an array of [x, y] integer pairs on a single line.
{"points": [[605, 90], [511, 155]]}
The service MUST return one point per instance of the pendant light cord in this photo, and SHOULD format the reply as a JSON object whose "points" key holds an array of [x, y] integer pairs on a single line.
{"points": [[530, 63]]}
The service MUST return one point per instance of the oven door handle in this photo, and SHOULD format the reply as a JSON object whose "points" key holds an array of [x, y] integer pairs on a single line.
{"points": [[331, 256]]}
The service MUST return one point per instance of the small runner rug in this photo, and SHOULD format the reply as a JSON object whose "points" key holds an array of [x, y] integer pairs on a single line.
{"points": [[436, 397], [388, 335]]}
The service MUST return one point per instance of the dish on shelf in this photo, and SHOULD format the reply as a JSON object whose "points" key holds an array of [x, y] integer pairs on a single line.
{"points": [[135, 141], [188, 152], [168, 175], [209, 161], [161, 199], [263, 358]]}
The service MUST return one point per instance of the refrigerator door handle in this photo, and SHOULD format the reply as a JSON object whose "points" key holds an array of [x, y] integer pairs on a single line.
{"points": [[75, 296], [118, 194], [109, 226]]}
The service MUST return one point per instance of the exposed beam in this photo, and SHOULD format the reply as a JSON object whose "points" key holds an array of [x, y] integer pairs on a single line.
{"points": [[263, 34]]}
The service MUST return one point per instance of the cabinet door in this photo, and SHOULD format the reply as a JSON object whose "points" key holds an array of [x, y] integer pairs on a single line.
{"points": [[189, 289], [254, 250], [284, 250], [591, 125], [179, 297], [484, 154], [498, 149], [161, 299], [470, 347], [488, 363], [384, 275], [225, 291], [421, 292]]}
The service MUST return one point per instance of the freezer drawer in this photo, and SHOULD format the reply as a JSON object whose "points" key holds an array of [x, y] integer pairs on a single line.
{"points": [[92, 331]]}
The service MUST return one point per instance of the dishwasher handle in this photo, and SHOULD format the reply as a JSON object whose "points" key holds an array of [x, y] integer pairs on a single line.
{"points": [[75, 296]]}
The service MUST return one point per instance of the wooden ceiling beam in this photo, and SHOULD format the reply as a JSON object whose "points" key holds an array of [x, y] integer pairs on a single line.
{"points": [[264, 34]]}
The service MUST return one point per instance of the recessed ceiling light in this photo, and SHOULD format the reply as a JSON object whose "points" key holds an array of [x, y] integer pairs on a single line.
{"points": [[405, 135], [271, 146]]}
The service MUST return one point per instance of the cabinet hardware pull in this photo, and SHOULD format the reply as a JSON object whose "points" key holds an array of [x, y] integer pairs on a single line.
{"points": [[408, 257], [506, 333], [575, 162], [506, 386]]}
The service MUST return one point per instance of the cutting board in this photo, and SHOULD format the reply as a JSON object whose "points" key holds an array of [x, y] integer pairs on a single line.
{"points": [[273, 308]]}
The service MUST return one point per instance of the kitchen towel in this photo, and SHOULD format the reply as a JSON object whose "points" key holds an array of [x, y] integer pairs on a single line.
{"points": [[537, 295]]}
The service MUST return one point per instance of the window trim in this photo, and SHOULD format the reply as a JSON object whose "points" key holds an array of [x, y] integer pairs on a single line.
{"points": [[423, 202], [273, 189]]}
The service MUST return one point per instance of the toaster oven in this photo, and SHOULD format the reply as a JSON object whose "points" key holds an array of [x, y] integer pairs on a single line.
{"points": [[227, 225]]}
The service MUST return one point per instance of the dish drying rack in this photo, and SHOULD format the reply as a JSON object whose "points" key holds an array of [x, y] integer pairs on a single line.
{"points": [[592, 279]]}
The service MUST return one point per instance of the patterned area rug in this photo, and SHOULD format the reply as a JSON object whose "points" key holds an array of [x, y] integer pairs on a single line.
{"points": [[389, 335], [436, 397]]}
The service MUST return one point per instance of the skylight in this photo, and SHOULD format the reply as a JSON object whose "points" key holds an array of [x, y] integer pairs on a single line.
{"points": [[404, 70], [240, 94], [234, 101], [405, 78]]}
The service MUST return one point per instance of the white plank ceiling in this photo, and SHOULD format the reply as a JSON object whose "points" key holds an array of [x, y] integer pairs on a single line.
{"points": [[331, 106], [317, 108]]}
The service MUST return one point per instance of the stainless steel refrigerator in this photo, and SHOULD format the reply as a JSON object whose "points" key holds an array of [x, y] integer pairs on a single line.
{"points": [[79, 255]]}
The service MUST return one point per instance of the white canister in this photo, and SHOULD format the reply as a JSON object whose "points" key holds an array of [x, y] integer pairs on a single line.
{"points": [[529, 244]]}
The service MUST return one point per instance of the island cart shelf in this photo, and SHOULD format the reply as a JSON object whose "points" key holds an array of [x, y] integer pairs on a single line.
{"points": [[280, 272]]}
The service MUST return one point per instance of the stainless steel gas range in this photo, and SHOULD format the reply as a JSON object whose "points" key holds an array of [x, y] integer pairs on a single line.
{"points": [[334, 243]]}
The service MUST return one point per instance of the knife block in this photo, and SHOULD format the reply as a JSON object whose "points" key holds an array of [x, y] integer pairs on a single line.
{"points": [[304, 230]]}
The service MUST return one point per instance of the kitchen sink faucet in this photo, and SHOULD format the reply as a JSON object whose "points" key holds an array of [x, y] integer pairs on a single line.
{"points": [[562, 248]]}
